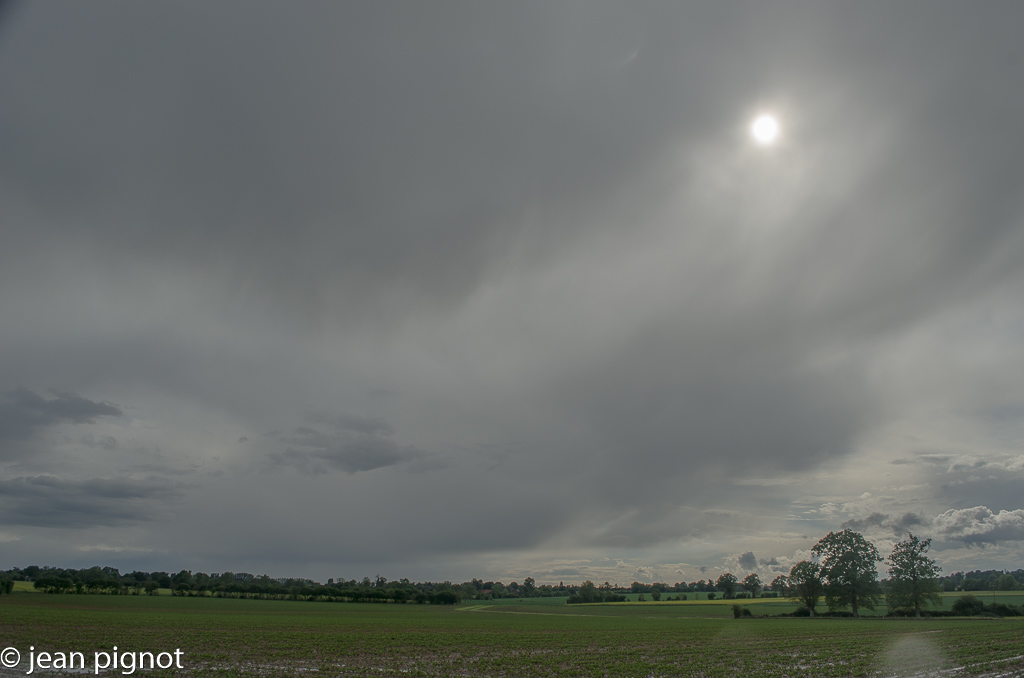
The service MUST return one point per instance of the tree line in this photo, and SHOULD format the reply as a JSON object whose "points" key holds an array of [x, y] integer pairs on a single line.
{"points": [[108, 580], [844, 573]]}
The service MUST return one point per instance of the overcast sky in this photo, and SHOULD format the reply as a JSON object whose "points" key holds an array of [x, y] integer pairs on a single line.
{"points": [[450, 290]]}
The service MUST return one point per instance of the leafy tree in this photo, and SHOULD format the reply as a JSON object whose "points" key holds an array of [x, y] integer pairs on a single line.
{"points": [[805, 584], [752, 583], [655, 594], [1006, 582], [184, 577], [588, 592], [727, 583], [848, 570], [529, 587], [780, 583], [913, 576], [446, 597]]}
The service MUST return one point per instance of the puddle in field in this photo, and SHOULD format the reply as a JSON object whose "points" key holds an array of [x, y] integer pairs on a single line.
{"points": [[914, 656]]}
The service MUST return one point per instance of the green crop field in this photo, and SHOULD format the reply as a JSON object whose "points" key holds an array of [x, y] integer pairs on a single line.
{"points": [[536, 637]]}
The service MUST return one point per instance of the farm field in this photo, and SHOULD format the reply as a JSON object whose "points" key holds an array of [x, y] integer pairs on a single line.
{"points": [[537, 637]]}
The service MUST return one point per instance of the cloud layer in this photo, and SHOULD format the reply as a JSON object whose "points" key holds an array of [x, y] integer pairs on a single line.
{"points": [[500, 291]]}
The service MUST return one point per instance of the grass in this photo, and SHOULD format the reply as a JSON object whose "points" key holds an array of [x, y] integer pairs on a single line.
{"points": [[714, 608], [533, 637]]}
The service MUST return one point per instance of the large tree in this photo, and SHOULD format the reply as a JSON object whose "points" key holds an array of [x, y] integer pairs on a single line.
{"points": [[848, 570], [753, 584], [727, 583], [913, 576], [805, 584]]}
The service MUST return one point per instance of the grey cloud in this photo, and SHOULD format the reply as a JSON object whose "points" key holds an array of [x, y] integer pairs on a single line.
{"points": [[874, 520], [905, 521], [23, 413], [24, 410], [999, 490], [935, 459], [48, 501], [899, 525], [748, 561], [108, 443], [979, 526], [367, 426], [164, 470], [353, 444], [968, 466]]}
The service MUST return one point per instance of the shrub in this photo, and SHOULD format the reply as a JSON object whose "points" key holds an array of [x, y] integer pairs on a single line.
{"points": [[924, 613], [968, 606], [1003, 610]]}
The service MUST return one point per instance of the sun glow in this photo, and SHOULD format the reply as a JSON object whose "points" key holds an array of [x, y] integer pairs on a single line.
{"points": [[764, 130]]}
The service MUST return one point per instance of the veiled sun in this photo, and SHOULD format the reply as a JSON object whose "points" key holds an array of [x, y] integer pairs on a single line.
{"points": [[764, 130]]}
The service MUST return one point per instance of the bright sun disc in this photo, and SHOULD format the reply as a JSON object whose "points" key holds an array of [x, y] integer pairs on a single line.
{"points": [[764, 130]]}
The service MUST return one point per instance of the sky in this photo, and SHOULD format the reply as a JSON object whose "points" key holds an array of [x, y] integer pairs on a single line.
{"points": [[449, 290]]}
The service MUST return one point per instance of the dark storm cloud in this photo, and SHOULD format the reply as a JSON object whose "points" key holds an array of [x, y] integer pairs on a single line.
{"points": [[48, 501], [23, 413]]}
